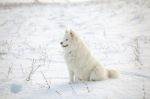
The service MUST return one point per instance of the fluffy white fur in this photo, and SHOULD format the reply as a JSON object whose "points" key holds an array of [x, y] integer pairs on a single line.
{"points": [[82, 65]]}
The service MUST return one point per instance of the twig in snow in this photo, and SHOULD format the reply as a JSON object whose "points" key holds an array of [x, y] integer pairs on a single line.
{"points": [[41, 85], [29, 76], [32, 71], [9, 70], [137, 52], [36, 68], [72, 89], [87, 87], [58, 92], [47, 82], [144, 93]]}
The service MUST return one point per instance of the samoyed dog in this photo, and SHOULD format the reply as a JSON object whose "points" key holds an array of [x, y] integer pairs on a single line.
{"points": [[82, 65]]}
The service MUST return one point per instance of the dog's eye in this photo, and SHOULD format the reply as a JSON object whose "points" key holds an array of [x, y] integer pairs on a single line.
{"points": [[66, 39]]}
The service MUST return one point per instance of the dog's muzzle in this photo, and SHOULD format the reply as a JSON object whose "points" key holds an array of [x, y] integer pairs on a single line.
{"points": [[61, 43]]}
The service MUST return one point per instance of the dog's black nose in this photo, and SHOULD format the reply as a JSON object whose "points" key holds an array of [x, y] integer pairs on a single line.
{"points": [[61, 42]]}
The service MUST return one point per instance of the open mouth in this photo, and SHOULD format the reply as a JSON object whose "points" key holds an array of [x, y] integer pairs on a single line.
{"points": [[61, 43], [65, 45]]}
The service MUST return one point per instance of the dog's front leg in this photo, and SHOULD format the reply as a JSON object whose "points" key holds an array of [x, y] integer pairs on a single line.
{"points": [[76, 79], [71, 75]]}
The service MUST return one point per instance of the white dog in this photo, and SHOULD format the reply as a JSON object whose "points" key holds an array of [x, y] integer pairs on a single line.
{"points": [[82, 65]]}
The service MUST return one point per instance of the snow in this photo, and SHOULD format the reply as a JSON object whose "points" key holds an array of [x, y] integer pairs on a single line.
{"points": [[31, 58], [15, 88]]}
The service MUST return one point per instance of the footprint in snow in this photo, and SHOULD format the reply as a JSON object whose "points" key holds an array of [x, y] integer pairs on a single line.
{"points": [[15, 88]]}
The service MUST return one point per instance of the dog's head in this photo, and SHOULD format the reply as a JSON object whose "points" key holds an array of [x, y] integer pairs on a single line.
{"points": [[68, 40]]}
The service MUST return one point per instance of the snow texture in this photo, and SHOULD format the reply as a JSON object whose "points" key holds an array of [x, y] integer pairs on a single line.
{"points": [[15, 88], [31, 59]]}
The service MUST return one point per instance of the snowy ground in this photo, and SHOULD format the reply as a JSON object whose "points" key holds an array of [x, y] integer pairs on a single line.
{"points": [[31, 59]]}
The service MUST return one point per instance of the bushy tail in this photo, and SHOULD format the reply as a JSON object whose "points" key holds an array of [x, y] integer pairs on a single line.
{"points": [[113, 73]]}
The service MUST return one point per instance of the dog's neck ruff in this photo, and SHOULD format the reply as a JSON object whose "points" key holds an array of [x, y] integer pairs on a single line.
{"points": [[69, 52]]}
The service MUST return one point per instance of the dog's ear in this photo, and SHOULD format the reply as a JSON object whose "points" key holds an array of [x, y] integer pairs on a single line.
{"points": [[68, 31], [71, 33]]}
